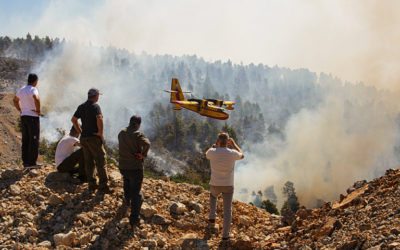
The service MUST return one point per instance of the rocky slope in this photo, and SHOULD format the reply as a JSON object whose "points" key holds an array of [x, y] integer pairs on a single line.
{"points": [[42, 208], [367, 218]]}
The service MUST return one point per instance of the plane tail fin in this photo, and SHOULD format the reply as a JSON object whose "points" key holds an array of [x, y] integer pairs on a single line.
{"points": [[176, 91]]}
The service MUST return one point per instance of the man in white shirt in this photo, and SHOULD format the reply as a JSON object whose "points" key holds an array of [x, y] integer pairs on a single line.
{"points": [[222, 160], [27, 102], [68, 155]]}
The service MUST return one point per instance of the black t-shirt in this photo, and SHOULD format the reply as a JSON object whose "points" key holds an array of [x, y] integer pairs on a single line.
{"points": [[88, 112]]}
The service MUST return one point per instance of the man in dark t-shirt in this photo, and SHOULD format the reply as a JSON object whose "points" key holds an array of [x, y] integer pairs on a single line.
{"points": [[92, 139]]}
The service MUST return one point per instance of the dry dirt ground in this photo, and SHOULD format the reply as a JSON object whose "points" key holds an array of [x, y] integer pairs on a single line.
{"points": [[10, 137]]}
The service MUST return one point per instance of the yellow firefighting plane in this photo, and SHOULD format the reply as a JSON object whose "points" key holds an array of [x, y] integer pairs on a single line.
{"points": [[206, 107]]}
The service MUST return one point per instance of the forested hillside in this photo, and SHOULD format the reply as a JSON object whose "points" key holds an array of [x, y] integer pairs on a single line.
{"points": [[294, 125]]}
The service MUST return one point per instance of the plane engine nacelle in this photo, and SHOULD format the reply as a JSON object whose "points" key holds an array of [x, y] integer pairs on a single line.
{"points": [[230, 107]]}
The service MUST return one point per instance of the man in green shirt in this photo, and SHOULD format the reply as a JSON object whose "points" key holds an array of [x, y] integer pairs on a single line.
{"points": [[133, 148]]}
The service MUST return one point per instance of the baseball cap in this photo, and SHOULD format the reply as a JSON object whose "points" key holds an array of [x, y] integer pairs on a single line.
{"points": [[93, 92]]}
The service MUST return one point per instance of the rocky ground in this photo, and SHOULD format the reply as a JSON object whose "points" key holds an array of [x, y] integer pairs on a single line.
{"points": [[367, 218], [42, 208]]}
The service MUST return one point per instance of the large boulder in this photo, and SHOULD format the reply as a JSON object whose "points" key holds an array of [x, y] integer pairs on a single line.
{"points": [[12, 174], [177, 208], [45, 244], [64, 239], [160, 220], [244, 220], [15, 189], [55, 200], [192, 241], [147, 211], [58, 177]]}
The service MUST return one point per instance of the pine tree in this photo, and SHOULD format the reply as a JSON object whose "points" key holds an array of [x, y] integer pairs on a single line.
{"points": [[269, 206]]}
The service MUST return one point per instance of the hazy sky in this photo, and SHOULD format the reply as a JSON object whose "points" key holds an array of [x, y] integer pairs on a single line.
{"points": [[357, 40]]}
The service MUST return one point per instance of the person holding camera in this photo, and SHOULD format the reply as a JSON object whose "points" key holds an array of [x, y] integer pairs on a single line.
{"points": [[222, 160]]}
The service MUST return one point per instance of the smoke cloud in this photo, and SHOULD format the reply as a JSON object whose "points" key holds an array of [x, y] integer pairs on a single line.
{"points": [[350, 135], [68, 74], [357, 40], [326, 151]]}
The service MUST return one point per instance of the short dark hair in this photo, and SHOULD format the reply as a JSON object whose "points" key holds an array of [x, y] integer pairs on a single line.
{"points": [[135, 120], [32, 78], [93, 92], [73, 130], [223, 138]]}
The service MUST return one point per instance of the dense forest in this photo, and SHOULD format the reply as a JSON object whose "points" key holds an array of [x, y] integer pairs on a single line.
{"points": [[274, 107], [27, 48]]}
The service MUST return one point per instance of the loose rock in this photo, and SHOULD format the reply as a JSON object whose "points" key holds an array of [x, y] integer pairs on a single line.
{"points": [[64, 239]]}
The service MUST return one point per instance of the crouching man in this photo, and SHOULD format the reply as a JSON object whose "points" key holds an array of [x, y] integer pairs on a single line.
{"points": [[133, 148], [222, 160], [69, 155]]}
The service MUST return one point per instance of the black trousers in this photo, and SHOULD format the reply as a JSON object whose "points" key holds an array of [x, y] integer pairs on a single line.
{"points": [[69, 164], [30, 126], [133, 180]]}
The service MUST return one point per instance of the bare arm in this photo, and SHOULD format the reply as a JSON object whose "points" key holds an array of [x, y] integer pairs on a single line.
{"points": [[16, 103], [37, 104], [75, 122], [78, 144], [232, 143]]}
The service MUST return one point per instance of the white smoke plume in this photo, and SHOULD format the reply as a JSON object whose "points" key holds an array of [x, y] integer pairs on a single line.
{"points": [[356, 40], [326, 150], [351, 135], [348, 137], [66, 77]]}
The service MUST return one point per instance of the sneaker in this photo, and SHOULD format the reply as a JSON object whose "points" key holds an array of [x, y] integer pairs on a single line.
{"points": [[230, 236], [32, 166]]}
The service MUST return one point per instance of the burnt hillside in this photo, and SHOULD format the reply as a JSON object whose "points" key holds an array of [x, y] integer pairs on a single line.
{"points": [[13, 73]]}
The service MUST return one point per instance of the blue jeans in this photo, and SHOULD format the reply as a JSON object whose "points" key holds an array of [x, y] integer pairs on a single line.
{"points": [[133, 180]]}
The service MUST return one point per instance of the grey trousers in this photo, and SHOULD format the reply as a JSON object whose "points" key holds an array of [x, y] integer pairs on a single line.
{"points": [[227, 195]]}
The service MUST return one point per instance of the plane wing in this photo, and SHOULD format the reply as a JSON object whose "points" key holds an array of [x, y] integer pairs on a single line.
{"points": [[228, 103], [185, 102], [174, 91]]}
